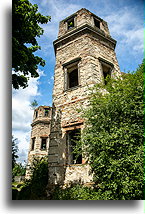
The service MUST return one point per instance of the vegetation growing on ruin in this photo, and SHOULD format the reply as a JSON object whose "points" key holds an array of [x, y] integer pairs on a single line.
{"points": [[114, 137], [113, 140]]}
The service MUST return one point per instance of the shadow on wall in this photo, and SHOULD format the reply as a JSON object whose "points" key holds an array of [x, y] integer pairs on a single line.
{"points": [[57, 150]]}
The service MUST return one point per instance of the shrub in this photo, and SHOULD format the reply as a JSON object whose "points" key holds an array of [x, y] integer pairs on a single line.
{"points": [[74, 192], [113, 137], [35, 188]]}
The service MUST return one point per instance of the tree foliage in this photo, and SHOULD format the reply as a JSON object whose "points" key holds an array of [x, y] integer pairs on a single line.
{"points": [[19, 170], [14, 151], [25, 29], [113, 137], [39, 178], [35, 187], [34, 104], [74, 192]]}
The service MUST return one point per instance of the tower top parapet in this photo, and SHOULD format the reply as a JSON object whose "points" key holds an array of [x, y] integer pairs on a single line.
{"points": [[42, 114], [83, 22], [80, 18]]}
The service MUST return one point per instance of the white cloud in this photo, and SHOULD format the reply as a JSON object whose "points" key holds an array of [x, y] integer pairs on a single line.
{"points": [[22, 113], [58, 10], [21, 104], [22, 156], [135, 39], [126, 26], [23, 144]]}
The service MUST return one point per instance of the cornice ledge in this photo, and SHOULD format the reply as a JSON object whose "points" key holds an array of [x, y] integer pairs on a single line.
{"points": [[81, 29], [40, 121]]}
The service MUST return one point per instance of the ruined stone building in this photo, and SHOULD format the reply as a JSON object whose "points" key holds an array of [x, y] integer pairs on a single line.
{"points": [[85, 55]]}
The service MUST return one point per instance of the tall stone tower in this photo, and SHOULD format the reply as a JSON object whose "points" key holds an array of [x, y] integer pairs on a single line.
{"points": [[84, 56], [39, 142]]}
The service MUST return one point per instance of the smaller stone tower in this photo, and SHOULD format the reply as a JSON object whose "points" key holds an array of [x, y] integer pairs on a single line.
{"points": [[39, 142]]}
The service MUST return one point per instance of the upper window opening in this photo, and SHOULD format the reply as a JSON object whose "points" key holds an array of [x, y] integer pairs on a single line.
{"points": [[36, 114], [70, 23], [46, 112], [71, 74], [73, 137], [73, 78], [97, 23], [43, 144], [33, 144], [106, 72], [107, 68]]}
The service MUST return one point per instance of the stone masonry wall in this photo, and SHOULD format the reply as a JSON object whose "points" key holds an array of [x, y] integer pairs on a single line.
{"points": [[40, 129], [89, 46], [83, 17]]}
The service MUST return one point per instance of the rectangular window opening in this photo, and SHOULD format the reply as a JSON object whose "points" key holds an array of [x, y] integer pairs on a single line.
{"points": [[46, 112], [73, 78], [33, 144], [106, 72], [36, 114], [70, 23], [72, 138], [97, 23], [71, 74], [43, 143]]}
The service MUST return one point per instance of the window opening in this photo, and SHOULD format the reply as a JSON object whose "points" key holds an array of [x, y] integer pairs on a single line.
{"points": [[70, 23], [71, 73], [72, 138], [43, 143], [106, 72], [46, 112], [97, 23], [33, 143], [36, 114], [73, 78]]}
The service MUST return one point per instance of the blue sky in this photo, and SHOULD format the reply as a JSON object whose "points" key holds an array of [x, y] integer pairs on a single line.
{"points": [[125, 21]]}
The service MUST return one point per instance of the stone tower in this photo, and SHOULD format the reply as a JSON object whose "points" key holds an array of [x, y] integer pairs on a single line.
{"points": [[85, 55], [39, 142]]}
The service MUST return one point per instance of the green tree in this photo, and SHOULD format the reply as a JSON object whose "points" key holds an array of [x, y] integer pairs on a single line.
{"points": [[113, 137], [25, 29], [34, 104], [19, 170], [35, 187], [14, 151]]}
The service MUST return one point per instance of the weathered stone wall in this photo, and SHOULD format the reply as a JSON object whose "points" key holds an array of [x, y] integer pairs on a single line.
{"points": [[82, 17], [89, 49], [77, 173], [89, 46], [86, 45]]}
